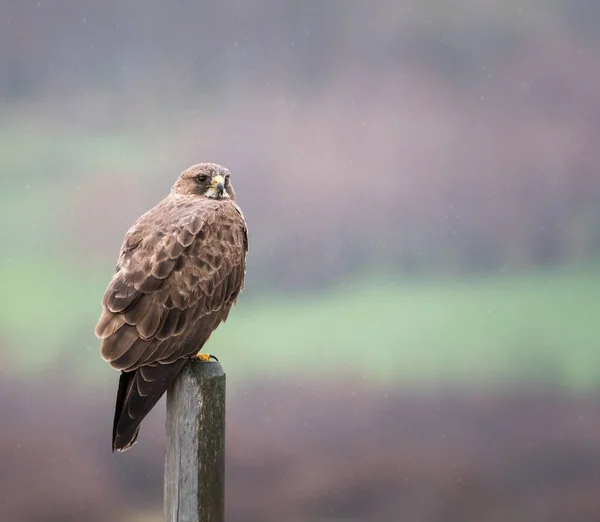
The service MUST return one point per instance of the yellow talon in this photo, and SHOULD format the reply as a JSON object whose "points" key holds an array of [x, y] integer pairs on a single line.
{"points": [[204, 357]]}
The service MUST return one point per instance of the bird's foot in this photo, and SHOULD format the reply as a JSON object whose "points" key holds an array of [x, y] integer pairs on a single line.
{"points": [[205, 357]]}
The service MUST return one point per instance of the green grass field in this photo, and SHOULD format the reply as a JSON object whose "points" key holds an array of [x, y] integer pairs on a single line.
{"points": [[541, 326], [538, 326]]}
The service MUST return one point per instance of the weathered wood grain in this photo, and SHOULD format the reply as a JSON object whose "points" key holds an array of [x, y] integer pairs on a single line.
{"points": [[195, 452]]}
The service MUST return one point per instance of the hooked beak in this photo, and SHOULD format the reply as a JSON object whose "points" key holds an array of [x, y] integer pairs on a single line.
{"points": [[219, 184]]}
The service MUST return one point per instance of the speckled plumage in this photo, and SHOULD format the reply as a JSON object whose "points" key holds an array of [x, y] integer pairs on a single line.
{"points": [[180, 270]]}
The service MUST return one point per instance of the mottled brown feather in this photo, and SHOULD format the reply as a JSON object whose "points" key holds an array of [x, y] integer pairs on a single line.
{"points": [[114, 346], [180, 270], [148, 326], [162, 269], [136, 313], [204, 269], [132, 356], [120, 296]]}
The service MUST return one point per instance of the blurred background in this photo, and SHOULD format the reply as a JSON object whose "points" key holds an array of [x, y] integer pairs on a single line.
{"points": [[419, 335]]}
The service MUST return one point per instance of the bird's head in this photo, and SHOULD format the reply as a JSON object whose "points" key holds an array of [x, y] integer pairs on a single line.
{"points": [[206, 180]]}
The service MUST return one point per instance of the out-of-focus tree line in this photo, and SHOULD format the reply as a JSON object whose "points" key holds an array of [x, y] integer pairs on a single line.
{"points": [[396, 137]]}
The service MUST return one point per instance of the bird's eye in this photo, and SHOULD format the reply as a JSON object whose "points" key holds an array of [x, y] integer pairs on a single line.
{"points": [[226, 178], [202, 178]]}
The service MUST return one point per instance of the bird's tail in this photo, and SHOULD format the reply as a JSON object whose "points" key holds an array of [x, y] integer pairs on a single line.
{"points": [[138, 392]]}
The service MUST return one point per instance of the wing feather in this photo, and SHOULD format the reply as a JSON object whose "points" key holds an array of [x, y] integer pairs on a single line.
{"points": [[162, 269], [169, 325], [108, 324], [136, 314], [133, 355], [119, 296], [179, 273], [114, 346], [150, 322]]}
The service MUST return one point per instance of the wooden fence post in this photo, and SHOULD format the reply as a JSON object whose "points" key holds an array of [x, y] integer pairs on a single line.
{"points": [[195, 453]]}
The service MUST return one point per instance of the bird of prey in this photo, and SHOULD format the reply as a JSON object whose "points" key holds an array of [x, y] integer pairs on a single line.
{"points": [[180, 270]]}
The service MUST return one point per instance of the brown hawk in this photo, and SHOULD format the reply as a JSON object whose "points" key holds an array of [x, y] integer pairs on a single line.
{"points": [[181, 268]]}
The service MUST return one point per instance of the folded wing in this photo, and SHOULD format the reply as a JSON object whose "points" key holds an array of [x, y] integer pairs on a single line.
{"points": [[180, 271]]}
